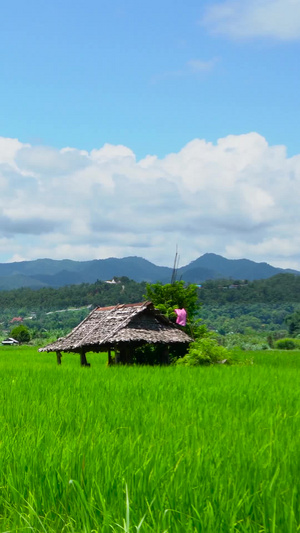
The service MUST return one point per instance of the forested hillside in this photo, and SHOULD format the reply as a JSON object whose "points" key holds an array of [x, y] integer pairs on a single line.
{"points": [[57, 311], [245, 307], [26, 300], [227, 306], [279, 289], [282, 288]]}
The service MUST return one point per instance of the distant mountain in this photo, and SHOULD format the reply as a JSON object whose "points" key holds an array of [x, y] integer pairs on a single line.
{"points": [[212, 266], [54, 273], [16, 281]]}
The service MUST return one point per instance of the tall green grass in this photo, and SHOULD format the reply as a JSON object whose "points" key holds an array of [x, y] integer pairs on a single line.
{"points": [[141, 449]]}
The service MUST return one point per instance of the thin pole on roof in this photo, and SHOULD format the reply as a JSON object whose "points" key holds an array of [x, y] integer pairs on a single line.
{"points": [[175, 266]]}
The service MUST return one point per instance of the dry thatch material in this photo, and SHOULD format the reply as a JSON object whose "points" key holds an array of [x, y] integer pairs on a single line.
{"points": [[107, 327]]}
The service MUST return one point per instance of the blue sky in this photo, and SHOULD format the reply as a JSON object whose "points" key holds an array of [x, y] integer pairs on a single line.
{"points": [[151, 77]]}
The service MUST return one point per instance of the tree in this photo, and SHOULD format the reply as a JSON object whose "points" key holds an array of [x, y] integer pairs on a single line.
{"points": [[172, 296], [293, 323], [21, 334], [178, 295], [205, 349]]}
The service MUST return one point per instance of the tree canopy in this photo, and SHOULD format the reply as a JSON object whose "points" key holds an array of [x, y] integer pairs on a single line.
{"points": [[20, 334], [172, 296], [293, 323]]}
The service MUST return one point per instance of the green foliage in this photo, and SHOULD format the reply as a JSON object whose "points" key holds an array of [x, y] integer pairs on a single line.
{"points": [[249, 342], [199, 329], [204, 351], [238, 318], [172, 296], [48, 310], [285, 344], [270, 341], [21, 334], [260, 307], [49, 299], [278, 289], [293, 323]]}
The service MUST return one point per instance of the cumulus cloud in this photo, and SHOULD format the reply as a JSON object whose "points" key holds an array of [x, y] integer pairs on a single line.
{"points": [[238, 197], [279, 19]]}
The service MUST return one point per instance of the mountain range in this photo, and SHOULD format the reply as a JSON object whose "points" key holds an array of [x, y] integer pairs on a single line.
{"points": [[57, 273]]}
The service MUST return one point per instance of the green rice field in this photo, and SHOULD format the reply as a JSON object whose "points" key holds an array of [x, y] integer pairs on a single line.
{"points": [[145, 449]]}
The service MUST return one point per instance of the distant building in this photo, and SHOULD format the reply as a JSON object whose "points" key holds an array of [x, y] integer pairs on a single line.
{"points": [[17, 319], [9, 342]]}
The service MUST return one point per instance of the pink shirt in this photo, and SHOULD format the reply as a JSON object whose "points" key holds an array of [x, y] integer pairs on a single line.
{"points": [[181, 316]]}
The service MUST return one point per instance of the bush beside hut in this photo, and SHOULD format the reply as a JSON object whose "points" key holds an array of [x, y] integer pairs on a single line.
{"points": [[21, 334]]}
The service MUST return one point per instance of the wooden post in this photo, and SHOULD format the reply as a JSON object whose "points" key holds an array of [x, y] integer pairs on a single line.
{"points": [[83, 359], [122, 356], [129, 355], [109, 357], [125, 355], [58, 357], [166, 356]]}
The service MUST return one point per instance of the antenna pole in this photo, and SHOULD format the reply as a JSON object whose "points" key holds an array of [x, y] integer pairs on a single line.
{"points": [[175, 267]]}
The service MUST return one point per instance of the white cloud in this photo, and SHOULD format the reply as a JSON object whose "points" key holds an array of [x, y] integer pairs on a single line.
{"points": [[8, 150], [110, 151], [279, 19], [193, 67], [238, 198]]}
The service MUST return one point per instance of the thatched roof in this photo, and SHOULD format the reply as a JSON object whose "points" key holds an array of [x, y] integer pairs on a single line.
{"points": [[128, 323]]}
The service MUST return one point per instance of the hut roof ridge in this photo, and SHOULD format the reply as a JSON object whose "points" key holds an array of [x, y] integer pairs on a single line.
{"points": [[123, 324]]}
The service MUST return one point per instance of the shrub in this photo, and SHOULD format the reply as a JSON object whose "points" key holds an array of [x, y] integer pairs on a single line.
{"points": [[286, 344], [20, 333], [204, 351], [246, 342], [248, 347]]}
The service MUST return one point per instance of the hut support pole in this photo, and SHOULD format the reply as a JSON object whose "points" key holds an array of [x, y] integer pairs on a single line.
{"points": [[166, 355], [58, 357], [83, 359], [109, 357], [129, 355], [125, 355]]}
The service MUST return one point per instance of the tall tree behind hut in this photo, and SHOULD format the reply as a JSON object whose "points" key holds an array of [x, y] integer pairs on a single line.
{"points": [[172, 296]]}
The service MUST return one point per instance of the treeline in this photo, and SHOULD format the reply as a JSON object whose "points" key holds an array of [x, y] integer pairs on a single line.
{"points": [[227, 306], [282, 288], [23, 301], [54, 312], [244, 307], [247, 318]]}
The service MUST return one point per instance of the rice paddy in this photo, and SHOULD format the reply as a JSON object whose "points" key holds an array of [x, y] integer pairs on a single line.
{"points": [[145, 449]]}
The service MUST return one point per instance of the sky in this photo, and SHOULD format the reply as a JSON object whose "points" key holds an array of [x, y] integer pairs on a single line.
{"points": [[131, 128]]}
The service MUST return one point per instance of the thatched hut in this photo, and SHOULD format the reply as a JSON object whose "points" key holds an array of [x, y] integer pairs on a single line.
{"points": [[122, 329]]}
